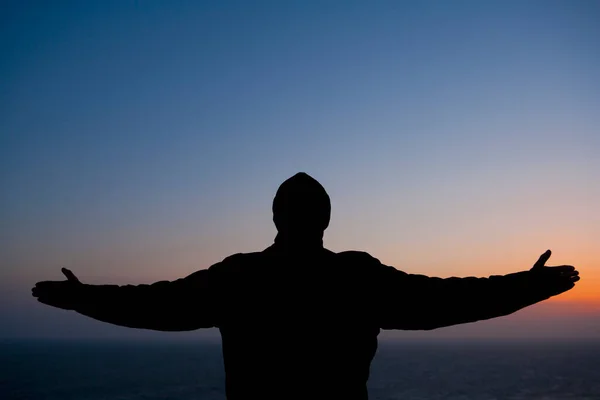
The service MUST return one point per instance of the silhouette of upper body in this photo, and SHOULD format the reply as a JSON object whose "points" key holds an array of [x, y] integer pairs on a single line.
{"points": [[298, 320]]}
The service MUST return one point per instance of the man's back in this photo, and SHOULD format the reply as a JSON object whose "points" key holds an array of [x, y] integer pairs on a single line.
{"points": [[296, 326], [297, 320]]}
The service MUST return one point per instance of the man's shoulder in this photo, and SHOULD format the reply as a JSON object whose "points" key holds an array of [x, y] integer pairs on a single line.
{"points": [[236, 261], [358, 257], [242, 257]]}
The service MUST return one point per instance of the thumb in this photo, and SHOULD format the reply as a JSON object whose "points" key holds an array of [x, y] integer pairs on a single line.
{"points": [[70, 276], [541, 262]]}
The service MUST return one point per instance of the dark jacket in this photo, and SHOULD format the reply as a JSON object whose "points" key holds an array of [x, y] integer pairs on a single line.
{"points": [[305, 324]]}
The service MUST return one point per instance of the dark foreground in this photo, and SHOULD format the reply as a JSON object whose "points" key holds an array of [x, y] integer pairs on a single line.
{"points": [[409, 370]]}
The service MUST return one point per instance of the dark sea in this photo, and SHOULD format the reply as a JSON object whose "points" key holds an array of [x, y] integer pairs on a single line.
{"points": [[410, 370]]}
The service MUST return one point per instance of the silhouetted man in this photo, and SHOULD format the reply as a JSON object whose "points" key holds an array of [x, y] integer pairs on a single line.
{"points": [[298, 320]]}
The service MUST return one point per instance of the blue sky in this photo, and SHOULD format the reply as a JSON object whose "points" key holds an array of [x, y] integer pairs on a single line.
{"points": [[145, 140]]}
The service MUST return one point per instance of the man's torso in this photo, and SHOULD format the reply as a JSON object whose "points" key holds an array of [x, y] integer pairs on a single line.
{"points": [[296, 326]]}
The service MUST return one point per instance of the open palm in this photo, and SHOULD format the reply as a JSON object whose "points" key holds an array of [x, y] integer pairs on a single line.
{"points": [[61, 294], [554, 280]]}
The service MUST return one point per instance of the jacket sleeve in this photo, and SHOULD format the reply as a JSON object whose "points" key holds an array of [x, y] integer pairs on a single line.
{"points": [[181, 305], [418, 302]]}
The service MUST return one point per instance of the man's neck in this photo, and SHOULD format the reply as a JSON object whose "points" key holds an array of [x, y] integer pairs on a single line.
{"points": [[291, 243]]}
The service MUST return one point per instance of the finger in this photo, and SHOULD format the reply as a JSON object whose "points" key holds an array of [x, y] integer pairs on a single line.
{"points": [[47, 301], [560, 269], [567, 287], [564, 271], [41, 287], [70, 275], [37, 292], [48, 285], [570, 276], [542, 260], [562, 288], [58, 303], [575, 279]]}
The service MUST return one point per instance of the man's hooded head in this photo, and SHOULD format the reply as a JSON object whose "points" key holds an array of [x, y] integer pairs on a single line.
{"points": [[301, 207]]}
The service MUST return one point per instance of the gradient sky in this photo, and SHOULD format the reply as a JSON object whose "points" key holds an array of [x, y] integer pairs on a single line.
{"points": [[142, 141]]}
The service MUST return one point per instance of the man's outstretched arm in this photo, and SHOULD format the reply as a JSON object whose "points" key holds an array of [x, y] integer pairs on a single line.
{"points": [[181, 305], [418, 302]]}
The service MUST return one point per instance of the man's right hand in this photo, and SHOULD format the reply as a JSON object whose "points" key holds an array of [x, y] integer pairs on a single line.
{"points": [[554, 280], [60, 294]]}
